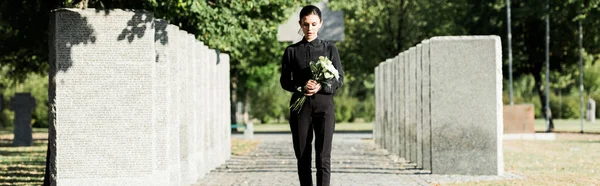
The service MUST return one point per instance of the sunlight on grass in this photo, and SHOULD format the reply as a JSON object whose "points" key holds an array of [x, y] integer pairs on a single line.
{"points": [[23, 165], [570, 160]]}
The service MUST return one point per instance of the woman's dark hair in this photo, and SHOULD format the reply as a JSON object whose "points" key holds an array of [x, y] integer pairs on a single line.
{"points": [[310, 9]]}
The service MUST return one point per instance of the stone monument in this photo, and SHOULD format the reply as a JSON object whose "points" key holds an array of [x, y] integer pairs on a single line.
{"points": [[101, 105], [519, 118], [23, 104], [591, 110], [466, 105]]}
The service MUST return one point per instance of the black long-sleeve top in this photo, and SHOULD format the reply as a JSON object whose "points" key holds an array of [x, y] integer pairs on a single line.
{"points": [[295, 68]]}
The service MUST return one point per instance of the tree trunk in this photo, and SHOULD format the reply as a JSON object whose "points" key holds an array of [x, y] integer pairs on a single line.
{"points": [[539, 85], [233, 100]]}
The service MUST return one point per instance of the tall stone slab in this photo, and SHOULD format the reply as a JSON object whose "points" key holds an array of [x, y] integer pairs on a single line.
{"points": [[212, 113], [174, 58], [401, 111], [225, 121], [100, 93], [184, 136], [23, 104], [196, 96], [407, 98], [419, 111], [377, 122], [397, 107], [413, 102], [425, 66], [466, 105], [205, 70], [189, 105], [160, 89]]}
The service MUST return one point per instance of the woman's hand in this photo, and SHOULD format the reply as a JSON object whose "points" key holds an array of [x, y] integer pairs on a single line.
{"points": [[312, 87]]}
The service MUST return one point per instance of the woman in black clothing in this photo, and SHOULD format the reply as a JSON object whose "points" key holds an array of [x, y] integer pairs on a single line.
{"points": [[317, 113]]}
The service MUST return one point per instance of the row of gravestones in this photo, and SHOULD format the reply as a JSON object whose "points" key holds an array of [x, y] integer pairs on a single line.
{"points": [[133, 101], [439, 105]]}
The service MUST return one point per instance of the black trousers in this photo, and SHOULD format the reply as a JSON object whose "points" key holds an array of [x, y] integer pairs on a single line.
{"points": [[318, 115]]}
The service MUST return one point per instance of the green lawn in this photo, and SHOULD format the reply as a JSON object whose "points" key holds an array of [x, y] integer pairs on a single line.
{"points": [[570, 125], [23, 165], [572, 159]]}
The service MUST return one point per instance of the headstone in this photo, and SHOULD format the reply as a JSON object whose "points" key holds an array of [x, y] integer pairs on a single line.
{"points": [[400, 104], [332, 29], [407, 98], [249, 131], [100, 92], [160, 86], [413, 104], [466, 105], [591, 110], [426, 106], [419, 123], [23, 104], [377, 122], [174, 56], [226, 104], [518, 118]]}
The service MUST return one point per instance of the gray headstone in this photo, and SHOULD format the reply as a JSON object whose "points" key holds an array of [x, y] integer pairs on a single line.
{"points": [[174, 56], [196, 92], [332, 29], [419, 122], [160, 86], [182, 103], [412, 117], [377, 105], [401, 113], [100, 92], [388, 111], [407, 98], [226, 60], [426, 106], [396, 88], [466, 105], [591, 110], [23, 104]]}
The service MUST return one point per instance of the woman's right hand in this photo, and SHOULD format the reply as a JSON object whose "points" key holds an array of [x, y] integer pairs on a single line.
{"points": [[312, 87]]}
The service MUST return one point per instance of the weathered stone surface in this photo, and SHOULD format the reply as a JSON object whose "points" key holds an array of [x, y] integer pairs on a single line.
{"points": [[519, 118], [426, 106], [159, 86], [419, 100], [100, 92], [175, 59], [402, 108], [466, 105], [413, 105], [23, 104]]}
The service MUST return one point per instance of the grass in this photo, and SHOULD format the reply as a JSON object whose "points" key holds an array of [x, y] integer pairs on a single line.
{"points": [[568, 125], [570, 160], [243, 147], [23, 165]]}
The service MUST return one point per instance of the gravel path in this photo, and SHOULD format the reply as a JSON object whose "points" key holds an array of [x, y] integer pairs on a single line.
{"points": [[356, 160]]}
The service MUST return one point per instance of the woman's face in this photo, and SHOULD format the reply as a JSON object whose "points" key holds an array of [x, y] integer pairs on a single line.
{"points": [[310, 25]]}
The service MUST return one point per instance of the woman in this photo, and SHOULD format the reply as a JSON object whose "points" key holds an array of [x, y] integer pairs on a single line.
{"points": [[317, 113]]}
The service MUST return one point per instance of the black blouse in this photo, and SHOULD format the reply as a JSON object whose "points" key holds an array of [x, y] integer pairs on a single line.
{"points": [[295, 69]]}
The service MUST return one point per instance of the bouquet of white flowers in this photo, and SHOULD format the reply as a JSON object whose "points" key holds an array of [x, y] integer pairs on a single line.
{"points": [[322, 70]]}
